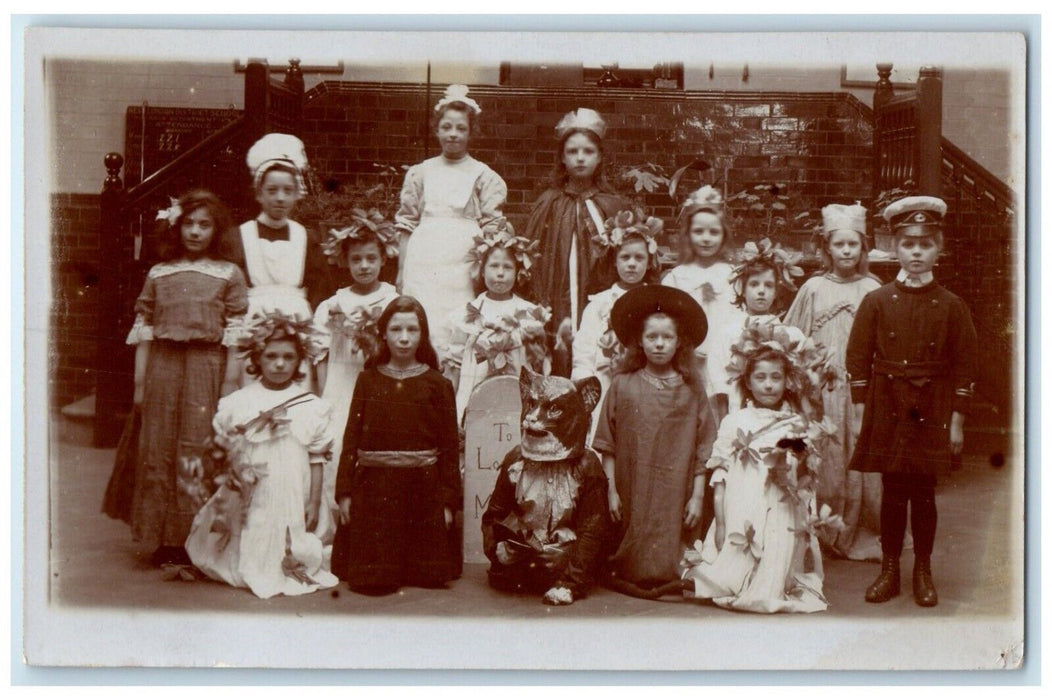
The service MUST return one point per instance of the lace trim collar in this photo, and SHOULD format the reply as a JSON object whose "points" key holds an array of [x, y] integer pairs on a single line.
{"points": [[394, 373], [220, 269]]}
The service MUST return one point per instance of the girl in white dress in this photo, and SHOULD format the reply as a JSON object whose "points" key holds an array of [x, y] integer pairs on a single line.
{"points": [[762, 553], [705, 274], [256, 530], [445, 202], [630, 238], [345, 327], [824, 309], [498, 332]]}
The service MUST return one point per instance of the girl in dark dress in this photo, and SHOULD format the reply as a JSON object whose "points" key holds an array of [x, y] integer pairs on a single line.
{"points": [[398, 485], [565, 220]]}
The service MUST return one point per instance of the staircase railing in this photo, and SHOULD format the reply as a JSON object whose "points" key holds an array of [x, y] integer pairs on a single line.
{"points": [[216, 163]]}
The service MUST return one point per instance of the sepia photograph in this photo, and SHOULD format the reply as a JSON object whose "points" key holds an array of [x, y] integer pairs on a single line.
{"points": [[525, 350]]}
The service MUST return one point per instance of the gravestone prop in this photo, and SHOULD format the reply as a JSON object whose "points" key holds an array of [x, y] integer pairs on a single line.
{"points": [[491, 429]]}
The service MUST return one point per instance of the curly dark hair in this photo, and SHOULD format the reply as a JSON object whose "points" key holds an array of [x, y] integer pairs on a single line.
{"points": [[425, 352], [252, 365], [682, 361], [478, 282], [769, 355], [169, 238], [609, 261], [758, 267]]}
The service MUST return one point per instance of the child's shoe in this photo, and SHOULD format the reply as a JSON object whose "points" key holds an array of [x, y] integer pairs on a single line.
{"points": [[886, 586], [923, 588]]}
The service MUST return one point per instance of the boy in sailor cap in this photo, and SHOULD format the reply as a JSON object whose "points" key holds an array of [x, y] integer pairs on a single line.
{"points": [[911, 357]]}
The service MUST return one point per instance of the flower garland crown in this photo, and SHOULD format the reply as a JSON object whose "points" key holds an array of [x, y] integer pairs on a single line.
{"points": [[629, 223], [810, 365], [784, 262], [454, 94], [261, 328], [499, 233], [707, 198], [361, 222]]}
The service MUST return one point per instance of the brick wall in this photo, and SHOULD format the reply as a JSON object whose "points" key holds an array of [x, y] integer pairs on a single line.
{"points": [[74, 281], [819, 143]]}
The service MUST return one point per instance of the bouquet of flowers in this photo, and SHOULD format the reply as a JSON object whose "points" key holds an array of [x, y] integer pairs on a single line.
{"points": [[360, 327]]}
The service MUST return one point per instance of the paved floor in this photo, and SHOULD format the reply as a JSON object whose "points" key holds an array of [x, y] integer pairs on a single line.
{"points": [[94, 563]]}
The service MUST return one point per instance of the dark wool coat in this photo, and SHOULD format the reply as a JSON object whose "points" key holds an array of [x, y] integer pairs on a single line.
{"points": [[911, 357]]}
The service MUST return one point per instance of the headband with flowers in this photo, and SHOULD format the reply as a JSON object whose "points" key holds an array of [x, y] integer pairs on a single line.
{"points": [[172, 213], [261, 328], [784, 262], [454, 94], [810, 366], [629, 223], [500, 234], [361, 221], [707, 198]]}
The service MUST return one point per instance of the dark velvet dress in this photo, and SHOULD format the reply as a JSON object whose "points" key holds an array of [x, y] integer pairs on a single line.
{"points": [[911, 357], [397, 534]]}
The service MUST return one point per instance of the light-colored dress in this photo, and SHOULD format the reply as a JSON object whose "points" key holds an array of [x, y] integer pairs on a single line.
{"points": [[335, 325], [596, 348], [444, 204], [711, 288], [824, 309], [487, 328], [770, 560], [267, 549]]}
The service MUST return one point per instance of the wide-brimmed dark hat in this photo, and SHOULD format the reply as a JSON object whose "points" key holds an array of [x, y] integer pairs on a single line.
{"points": [[632, 309]]}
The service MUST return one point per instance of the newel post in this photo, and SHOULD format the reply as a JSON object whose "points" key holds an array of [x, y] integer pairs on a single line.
{"points": [[111, 380], [929, 131]]}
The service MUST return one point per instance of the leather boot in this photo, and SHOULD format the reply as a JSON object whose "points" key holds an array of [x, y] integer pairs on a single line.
{"points": [[923, 588], [886, 586]]}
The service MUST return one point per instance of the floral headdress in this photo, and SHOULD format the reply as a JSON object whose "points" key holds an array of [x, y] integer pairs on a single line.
{"points": [[784, 262], [500, 234], [454, 94], [708, 198], [629, 223], [262, 328], [810, 367], [361, 222], [172, 213]]}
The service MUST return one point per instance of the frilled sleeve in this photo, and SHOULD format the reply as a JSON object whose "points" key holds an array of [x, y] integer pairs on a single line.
{"points": [[448, 446], [352, 436], [223, 420], [606, 433], [801, 312], [722, 456], [235, 305], [861, 345], [142, 329], [319, 446], [586, 342], [963, 354], [411, 201], [492, 194], [705, 435], [322, 332]]}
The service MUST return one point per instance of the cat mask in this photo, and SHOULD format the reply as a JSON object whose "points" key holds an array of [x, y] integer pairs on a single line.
{"points": [[556, 414]]}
